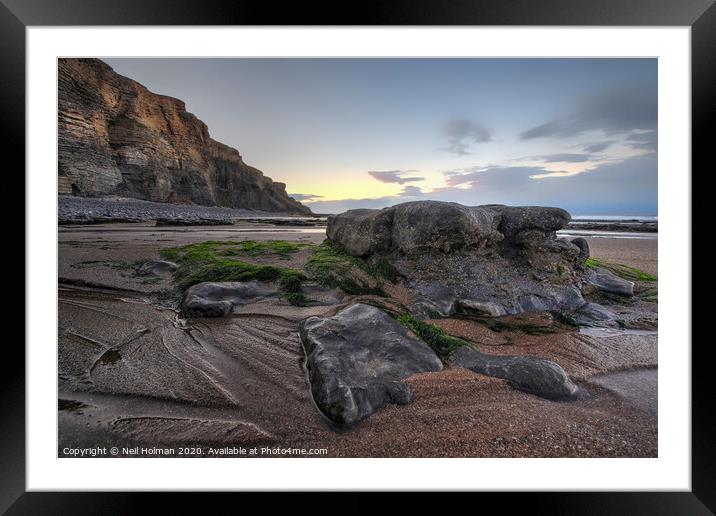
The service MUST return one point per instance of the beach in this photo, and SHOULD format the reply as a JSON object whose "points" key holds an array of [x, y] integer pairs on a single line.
{"points": [[133, 372]]}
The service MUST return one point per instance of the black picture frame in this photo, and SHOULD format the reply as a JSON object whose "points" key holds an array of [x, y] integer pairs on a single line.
{"points": [[700, 15]]}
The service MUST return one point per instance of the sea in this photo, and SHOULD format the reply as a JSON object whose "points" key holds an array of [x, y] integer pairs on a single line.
{"points": [[616, 218]]}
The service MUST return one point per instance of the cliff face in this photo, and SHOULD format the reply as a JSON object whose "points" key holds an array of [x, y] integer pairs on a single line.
{"points": [[115, 137]]}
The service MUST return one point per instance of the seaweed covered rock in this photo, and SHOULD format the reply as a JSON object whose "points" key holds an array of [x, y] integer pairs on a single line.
{"points": [[357, 359], [490, 260]]}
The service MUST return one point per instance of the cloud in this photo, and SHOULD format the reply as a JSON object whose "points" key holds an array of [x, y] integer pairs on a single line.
{"points": [[565, 157], [394, 176], [408, 193], [461, 133], [611, 111], [411, 191], [625, 187], [341, 205], [304, 197], [493, 176], [598, 147], [643, 141]]}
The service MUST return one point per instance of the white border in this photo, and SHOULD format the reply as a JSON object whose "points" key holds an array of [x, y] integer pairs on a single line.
{"points": [[670, 471]]}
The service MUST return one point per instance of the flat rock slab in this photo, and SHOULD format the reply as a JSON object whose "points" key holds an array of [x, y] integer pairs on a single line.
{"points": [[605, 281], [210, 299], [437, 300], [529, 374], [357, 360], [157, 268]]}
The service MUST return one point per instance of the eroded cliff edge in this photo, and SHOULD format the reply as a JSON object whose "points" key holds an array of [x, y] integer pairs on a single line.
{"points": [[115, 137]]}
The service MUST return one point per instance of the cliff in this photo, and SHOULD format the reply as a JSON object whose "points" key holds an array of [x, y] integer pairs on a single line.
{"points": [[115, 137]]}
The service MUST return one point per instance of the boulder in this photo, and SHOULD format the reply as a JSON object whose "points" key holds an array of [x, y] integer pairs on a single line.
{"points": [[442, 226], [605, 281], [211, 299], [583, 248], [356, 362], [529, 374], [490, 260], [157, 268], [413, 227], [518, 219], [435, 226], [565, 249], [592, 313], [362, 232]]}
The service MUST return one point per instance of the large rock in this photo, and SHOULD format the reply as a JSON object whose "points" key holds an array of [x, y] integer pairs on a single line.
{"points": [[583, 246], [442, 226], [428, 226], [115, 137], [529, 374], [519, 219], [605, 281], [490, 260], [357, 360], [211, 299], [414, 227], [362, 232]]}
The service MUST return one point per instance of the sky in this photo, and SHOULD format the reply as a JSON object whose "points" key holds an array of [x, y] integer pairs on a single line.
{"points": [[580, 134]]}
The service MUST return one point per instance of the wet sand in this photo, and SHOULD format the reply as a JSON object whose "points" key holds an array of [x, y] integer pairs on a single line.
{"points": [[640, 253], [131, 372]]}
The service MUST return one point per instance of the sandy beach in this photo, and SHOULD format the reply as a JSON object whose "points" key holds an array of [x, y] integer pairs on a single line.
{"points": [[132, 372], [640, 253]]}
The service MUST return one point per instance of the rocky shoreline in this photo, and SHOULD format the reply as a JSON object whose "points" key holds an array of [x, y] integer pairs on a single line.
{"points": [[419, 330], [112, 209], [631, 226]]}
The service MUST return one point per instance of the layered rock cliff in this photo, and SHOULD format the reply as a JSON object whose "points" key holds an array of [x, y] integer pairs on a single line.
{"points": [[115, 137]]}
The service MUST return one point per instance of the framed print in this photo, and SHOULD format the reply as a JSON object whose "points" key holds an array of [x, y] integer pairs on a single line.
{"points": [[421, 248]]}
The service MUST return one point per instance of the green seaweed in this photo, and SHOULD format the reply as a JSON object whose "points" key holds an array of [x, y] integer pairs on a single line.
{"points": [[215, 249], [330, 266], [621, 270], [383, 269], [212, 261], [650, 294], [435, 337], [230, 270], [296, 299]]}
